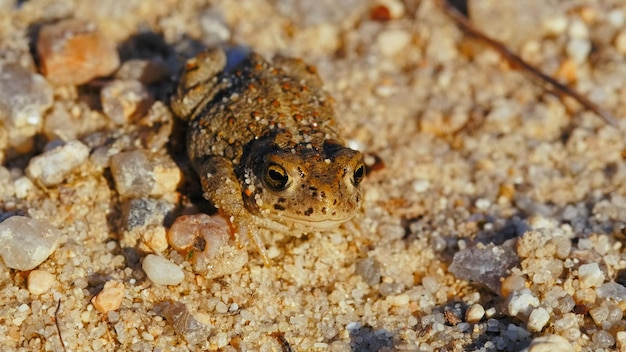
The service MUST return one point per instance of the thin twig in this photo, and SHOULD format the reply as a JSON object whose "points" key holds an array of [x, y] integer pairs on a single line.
{"points": [[517, 61], [56, 322]]}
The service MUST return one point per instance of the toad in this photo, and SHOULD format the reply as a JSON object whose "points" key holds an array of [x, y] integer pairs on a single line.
{"points": [[263, 140]]}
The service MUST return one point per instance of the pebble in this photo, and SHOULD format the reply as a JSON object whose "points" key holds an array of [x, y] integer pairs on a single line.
{"points": [[39, 281], [612, 290], [73, 52], [555, 25], [475, 313], [590, 275], [550, 343], [369, 269], [521, 303], [138, 174], [24, 97], [603, 339], [538, 319], [620, 338], [53, 166], [110, 298], [123, 100], [25, 243], [23, 186], [183, 322], [208, 240], [578, 49], [392, 41], [161, 271], [620, 42], [484, 264]]}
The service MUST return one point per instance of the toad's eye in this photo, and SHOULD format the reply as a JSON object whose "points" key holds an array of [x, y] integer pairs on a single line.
{"points": [[358, 175], [276, 177]]}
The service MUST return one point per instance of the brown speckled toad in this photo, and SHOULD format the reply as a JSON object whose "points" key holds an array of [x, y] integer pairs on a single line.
{"points": [[264, 143]]}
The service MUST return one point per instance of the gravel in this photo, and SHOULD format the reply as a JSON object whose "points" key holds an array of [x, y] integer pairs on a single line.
{"points": [[493, 215]]}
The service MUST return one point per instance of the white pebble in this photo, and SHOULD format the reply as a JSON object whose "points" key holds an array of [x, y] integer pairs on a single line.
{"points": [[578, 49], [53, 166], [25, 243], [420, 186], [538, 319], [590, 275], [550, 343], [616, 18], [23, 186], [555, 25], [393, 41], [578, 30], [39, 281], [161, 271], [521, 303], [475, 313]]}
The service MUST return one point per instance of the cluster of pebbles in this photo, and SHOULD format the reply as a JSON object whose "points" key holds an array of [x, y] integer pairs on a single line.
{"points": [[493, 215]]}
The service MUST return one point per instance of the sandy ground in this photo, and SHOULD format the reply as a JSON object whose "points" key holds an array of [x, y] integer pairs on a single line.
{"points": [[472, 154]]}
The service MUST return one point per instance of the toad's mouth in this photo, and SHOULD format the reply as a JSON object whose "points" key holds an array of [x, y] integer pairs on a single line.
{"points": [[287, 222]]}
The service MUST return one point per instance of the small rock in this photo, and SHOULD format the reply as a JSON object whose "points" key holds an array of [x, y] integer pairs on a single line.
{"points": [[485, 264], [123, 100], [393, 41], [369, 269], [578, 50], [25, 243], [538, 319], [550, 343], [161, 271], [136, 174], [590, 275], [154, 237], [475, 313], [612, 290], [73, 52], [143, 220], [53, 166], [521, 303], [39, 281], [620, 42], [208, 238], [603, 339], [620, 338], [183, 322], [110, 298], [24, 97]]}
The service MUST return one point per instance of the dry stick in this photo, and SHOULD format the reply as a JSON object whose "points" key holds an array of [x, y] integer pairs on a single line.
{"points": [[56, 322], [515, 60]]}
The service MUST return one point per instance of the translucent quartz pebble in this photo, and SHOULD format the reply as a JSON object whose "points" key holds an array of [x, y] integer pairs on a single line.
{"points": [[53, 166], [484, 264], [24, 96], [25, 243], [183, 321], [123, 100], [138, 174]]}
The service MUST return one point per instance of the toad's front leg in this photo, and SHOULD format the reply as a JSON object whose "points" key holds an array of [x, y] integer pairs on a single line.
{"points": [[222, 187]]}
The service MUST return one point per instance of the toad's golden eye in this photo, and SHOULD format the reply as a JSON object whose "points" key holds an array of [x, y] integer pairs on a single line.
{"points": [[358, 175], [276, 177]]}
